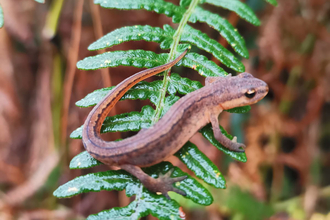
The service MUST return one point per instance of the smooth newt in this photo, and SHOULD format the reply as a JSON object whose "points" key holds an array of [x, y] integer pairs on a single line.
{"points": [[174, 129]]}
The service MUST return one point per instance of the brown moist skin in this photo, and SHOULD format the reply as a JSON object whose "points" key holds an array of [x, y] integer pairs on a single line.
{"points": [[174, 129]]}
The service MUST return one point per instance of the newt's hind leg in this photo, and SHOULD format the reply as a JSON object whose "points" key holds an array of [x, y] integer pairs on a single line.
{"points": [[163, 184], [226, 142]]}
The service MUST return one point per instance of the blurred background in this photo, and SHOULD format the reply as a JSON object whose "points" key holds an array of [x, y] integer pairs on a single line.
{"points": [[287, 175]]}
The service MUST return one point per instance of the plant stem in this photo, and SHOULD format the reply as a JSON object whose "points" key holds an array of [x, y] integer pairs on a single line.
{"points": [[171, 56]]}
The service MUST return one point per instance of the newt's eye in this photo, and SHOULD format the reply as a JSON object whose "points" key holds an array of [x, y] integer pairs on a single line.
{"points": [[250, 93]]}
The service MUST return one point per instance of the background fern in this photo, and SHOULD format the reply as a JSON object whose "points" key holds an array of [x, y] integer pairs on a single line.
{"points": [[163, 94]]}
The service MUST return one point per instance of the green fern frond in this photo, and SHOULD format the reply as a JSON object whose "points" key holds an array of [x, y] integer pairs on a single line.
{"points": [[145, 90], [136, 32], [140, 208], [174, 11], [189, 154], [132, 121], [207, 132], [165, 39], [181, 85], [204, 42], [169, 101], [202, 166], [239, 8], [202, 65], [225, 29], [83, 161], [142, 91], [136, 58], [145, 201], [162, 94], [159, 6], [149, 59]]}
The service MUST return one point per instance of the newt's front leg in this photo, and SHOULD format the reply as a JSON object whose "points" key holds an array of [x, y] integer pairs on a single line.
{"points": [[163, 184], [226, 142]]}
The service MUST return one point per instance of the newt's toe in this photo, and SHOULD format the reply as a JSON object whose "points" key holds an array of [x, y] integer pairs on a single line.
{"points": [[164, 184], [238, 147]]}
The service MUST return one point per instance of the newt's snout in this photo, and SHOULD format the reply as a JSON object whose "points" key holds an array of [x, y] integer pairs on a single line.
{"points": [[263, 89]]}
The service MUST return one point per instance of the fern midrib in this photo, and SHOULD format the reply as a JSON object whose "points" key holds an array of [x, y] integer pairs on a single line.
{"points": [[173, 49], [138, 200]]}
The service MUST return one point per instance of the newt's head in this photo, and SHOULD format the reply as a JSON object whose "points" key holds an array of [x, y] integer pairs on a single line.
{"points": [[240, 90]]}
